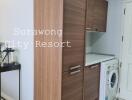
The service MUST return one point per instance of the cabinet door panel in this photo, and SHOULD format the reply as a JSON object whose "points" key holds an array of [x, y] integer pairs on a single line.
{"points": [[90, 14], [96, 15], [72, 86], [73, 32], [91, 82], [100, 16]]}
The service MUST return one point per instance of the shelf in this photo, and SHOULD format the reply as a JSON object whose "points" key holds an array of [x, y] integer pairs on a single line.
{"points": [[10, 68]]}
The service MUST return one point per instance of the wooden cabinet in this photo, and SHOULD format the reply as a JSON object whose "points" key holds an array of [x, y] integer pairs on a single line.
{"points": [[48, 15], [91, 82], [59, 72], [73, 57], [72, 88], [96, 15], [73, 31]]}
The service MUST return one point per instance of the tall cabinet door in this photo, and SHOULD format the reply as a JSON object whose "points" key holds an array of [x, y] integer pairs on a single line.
{"points": [[48, 15], [73, 57], [73, 32]]}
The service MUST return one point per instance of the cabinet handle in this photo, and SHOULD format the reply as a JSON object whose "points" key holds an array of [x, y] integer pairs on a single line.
{"points": [[75, 72], [75, 67], [88, 28], [94, 29], [95, 66]]}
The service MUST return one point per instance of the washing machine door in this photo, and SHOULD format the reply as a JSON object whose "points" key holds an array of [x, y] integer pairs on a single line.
{"points": [[113, 80]]}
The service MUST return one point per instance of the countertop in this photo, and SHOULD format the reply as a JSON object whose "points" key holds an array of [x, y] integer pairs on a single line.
{"points": [[92, 58]]}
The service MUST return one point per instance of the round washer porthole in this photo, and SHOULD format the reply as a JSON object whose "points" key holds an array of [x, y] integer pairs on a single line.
{"points": [[113, 79]]}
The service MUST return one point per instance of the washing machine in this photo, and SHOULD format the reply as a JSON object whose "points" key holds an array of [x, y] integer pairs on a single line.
{"points": [[109, 79]]}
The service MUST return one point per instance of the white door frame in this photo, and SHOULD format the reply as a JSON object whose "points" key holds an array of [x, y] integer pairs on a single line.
{"points": [[121, 94]]}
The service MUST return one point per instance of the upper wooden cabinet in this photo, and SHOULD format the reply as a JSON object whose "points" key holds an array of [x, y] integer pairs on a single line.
{"points": [[96, 15]]}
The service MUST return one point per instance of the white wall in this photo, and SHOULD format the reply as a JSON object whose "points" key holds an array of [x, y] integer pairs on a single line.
{"points": [[88, 41], [18, 14], [109, 42]]}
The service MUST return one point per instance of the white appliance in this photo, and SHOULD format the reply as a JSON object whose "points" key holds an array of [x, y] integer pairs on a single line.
{"points": [[109, 79]]}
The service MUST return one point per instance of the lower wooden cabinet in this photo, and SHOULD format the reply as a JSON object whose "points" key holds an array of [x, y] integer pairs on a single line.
{"points": [[91, 82], [81, 84], [72, 85]]}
